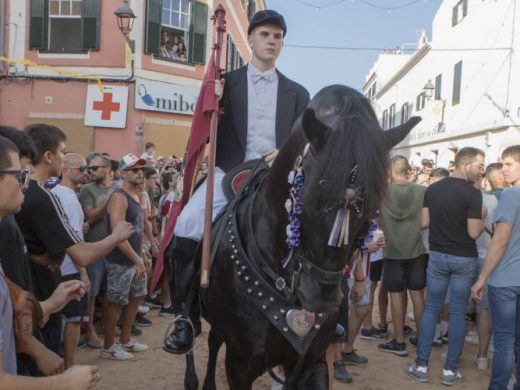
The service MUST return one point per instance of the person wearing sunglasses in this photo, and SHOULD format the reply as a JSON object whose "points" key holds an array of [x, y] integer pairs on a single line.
{"points": [[11, 198], [125, 266], [47, 231], [93, 198], [72, 177]]}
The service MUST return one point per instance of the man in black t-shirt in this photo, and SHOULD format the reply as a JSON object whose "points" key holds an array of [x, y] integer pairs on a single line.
{"points": [[452, 211], [46, 230]]}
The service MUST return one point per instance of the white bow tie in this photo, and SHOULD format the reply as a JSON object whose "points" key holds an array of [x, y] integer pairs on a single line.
{"points": [[267, 76]]}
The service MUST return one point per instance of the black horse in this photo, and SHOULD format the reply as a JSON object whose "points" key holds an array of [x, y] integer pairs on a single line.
{"points": [[271, 312]]}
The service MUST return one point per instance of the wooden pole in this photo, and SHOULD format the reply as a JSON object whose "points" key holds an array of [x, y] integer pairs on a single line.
{"points": [[218, 19]]}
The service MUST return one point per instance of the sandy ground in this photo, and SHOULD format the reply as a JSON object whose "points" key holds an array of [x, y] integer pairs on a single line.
{"points": [[157, 370]]}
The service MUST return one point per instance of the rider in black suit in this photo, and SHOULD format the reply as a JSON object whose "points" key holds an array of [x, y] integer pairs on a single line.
{"points": [[265, 37]]}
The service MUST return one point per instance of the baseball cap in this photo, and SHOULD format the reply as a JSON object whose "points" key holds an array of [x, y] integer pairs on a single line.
{"points": [[267, 16], [130, 161]]}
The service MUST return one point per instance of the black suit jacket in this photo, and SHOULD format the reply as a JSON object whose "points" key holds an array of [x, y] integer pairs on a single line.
{"points": [[232, 129]]}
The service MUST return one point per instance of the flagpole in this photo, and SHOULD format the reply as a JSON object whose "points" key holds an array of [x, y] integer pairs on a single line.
{"points": [[219, 22]]}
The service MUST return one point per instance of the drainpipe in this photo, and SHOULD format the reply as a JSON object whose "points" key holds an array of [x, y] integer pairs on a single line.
{"points": [[3, 8]]}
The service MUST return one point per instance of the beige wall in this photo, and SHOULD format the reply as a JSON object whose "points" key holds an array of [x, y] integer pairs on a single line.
{"points": [[168, 139]]}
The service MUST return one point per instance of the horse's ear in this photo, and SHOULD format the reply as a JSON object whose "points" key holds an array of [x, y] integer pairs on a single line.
{"points": [[397, 134], [315, 131]]}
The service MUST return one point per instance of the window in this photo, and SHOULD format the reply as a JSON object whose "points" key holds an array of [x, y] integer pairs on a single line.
{"points": [[251, 9], [371, 93], [457, 79], [405, 113], [438, 87], [459, 12], [420, 101], [391, 118], [234, 60], [64, 26], [176, 30], [385, 119]]}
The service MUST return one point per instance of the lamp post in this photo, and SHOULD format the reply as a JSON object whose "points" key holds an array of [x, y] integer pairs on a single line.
{"points": [[125, 22], [428, 89]]}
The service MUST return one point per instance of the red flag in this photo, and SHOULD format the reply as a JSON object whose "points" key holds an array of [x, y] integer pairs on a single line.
{"points": [[207, 103]]}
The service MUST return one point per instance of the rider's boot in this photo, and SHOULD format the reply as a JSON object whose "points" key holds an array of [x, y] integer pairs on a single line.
{"points": [[183, 266]]}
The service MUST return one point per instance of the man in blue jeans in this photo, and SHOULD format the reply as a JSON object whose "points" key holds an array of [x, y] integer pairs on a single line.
{"points": [[452, 210], [501, 270]]}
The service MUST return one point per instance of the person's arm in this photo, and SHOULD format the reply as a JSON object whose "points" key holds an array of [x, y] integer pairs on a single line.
{"points": [[358, 288], [495, 252], [475, 228], [63, 294], [47, 361], [425, 218], [85, 253], [117, 211], [75, 378]]}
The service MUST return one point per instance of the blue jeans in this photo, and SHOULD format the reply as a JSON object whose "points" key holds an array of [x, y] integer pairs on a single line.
{"points": [[456, 273], [504, 306]]}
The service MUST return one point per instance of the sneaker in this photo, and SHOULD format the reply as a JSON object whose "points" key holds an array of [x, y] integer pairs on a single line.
{"points": [[152, 303], [419, 373], [450, 377], [167, 311], [472, 337], [444, 337], [512, 382], [413, 340], [142, 321], [135, 346], [394, 347], [116, 352], [353, 358], [410, 315], [481, 362], [437, 342], [408, 331], [341, 374], [471, 317], [135, 331], [370, 334], [143, 309], [383, 330], [93, 341]]}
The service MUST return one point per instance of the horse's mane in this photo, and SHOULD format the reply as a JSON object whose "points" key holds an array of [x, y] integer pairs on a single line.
{"points": [[357, 138]]}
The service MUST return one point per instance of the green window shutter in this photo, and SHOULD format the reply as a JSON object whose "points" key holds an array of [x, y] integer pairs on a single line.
{"points": [[38, 24], [464, 8], [198, 33], [90, 17], [454, 15], [153, 26]]}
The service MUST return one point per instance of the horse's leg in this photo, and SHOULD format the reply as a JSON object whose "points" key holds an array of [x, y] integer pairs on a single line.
{"points": [[214, 343], [237, 371], [313, 378], [191, 382]]}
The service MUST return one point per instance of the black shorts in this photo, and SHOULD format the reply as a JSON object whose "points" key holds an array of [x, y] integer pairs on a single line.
{"points": [[75, 311], [376, 270], [399, 275]]}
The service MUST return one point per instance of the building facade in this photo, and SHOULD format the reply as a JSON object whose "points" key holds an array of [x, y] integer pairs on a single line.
{"points": [[58, 49], [462, 83]]}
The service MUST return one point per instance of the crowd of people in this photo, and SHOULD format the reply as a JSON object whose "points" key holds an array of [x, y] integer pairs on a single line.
{"points": [[80, 243], [448, 239]]}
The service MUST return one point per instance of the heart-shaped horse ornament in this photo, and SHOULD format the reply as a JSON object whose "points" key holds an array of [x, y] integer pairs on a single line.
{"points": [[300, 321]]}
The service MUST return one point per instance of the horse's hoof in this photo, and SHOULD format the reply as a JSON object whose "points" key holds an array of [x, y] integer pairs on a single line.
{"points": [[209, 386], [191, 385]]}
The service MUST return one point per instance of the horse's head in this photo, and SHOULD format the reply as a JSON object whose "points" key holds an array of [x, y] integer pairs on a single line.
{"points": [[346, 170]]}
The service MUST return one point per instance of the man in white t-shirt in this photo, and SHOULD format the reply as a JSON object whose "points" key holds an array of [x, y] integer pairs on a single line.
{"points": [[73, 175]]}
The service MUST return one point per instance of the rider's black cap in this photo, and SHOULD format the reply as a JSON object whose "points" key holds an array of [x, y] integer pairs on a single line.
{"points": [[267, 16]]}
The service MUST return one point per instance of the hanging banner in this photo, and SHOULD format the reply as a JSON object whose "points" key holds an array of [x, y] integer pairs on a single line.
{"points": [[106, 108], [165, 97]]}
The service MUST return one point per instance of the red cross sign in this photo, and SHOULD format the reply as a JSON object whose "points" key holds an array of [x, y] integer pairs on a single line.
{"points": [[106, 107]]}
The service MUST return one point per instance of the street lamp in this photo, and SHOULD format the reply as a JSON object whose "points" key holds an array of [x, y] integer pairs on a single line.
{"points": [[428, 89], [125, 21]]}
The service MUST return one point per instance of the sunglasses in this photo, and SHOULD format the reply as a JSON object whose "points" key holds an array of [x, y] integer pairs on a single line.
{"points": [[94, 168], [81, 168], [22, 175]]}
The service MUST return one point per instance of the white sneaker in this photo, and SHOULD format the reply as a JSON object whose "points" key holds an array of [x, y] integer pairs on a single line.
{"points": [[511, 383], [135, 346], [410, 315], [481, 362], [472, 337], [116, 352], [143, 309]]}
